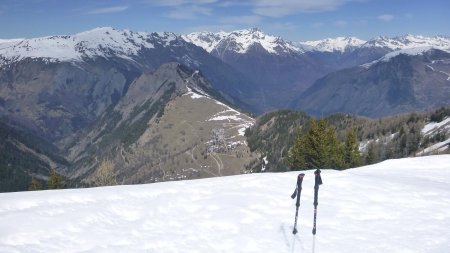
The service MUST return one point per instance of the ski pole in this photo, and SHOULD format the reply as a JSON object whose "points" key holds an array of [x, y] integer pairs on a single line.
{"points": [[297, 192], [317, 182]]}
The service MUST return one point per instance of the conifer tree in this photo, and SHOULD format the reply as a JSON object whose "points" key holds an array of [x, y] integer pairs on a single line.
{"points": [[372, 154], [55, 180], [316, 145], [296, 156], [317, 148], [352, 156], [34, 185]]}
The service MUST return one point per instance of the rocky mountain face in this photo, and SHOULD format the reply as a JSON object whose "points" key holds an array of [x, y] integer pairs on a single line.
{"points": [[395, 84], [170, 125], [73, 91], [61, 84]]}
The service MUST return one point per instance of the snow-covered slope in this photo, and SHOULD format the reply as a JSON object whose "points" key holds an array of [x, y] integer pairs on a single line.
{"points": [[100, 42], [395, 206], [240, 41], [339, 44]]}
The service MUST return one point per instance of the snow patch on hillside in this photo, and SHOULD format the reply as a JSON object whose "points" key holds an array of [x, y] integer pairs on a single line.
{"points": [[229, 115], [438, 147], [403, 202], [433, 126]]}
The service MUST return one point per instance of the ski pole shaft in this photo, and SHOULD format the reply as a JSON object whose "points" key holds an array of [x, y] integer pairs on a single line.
{"points": [[317, 182], [297, 193]]}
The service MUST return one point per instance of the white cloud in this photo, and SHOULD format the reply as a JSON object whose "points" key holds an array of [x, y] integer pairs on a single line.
{"points": [[282, 8], [185, 9], [233, 3], [286, 26], [246, 20], [386, 17], [210, 28], [176, 3], [106, 10], [189, 12]]}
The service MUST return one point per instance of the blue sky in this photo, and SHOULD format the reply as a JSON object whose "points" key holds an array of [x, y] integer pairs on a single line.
{"points": [[292, 19]]}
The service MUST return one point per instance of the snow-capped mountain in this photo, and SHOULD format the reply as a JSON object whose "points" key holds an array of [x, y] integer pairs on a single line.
{"points": [[409, 41], [99, 42], [397, 83], [241, 41], [338, 44], [276, 66], [406, 51], [205, 40], [75, 78], [343, 44]]}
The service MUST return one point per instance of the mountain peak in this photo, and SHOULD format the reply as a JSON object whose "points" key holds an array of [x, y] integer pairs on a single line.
{"points": [[240, 41], [98, 42], [409, 41], [338, 44]]}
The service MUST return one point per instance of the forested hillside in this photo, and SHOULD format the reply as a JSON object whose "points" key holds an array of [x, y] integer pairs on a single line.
{"points": [[24, 156], [405, 135]]}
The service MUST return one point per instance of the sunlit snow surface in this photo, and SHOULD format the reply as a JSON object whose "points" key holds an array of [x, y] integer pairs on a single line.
{"points": [[395, 206]]}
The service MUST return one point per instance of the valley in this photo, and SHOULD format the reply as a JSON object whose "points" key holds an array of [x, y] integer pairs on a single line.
{"points": [[163, 106]]}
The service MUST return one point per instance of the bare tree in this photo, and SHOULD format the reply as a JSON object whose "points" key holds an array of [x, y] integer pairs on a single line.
{"points": [[104, 175]]}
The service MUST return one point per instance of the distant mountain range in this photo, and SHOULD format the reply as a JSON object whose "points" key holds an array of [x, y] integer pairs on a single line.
{"points": [[256, 71], [109, 94], [284, 70]]}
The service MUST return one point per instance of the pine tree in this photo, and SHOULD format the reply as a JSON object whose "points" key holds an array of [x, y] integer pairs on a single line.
{"points": [[317, 148], [296, 156], [316, 145], [352, 156], [55, 180], [34, 185], [335, 152], [372, 154]]}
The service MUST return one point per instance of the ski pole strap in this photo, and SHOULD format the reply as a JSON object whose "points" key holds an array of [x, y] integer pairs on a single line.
{"points": [[294, 194], [298, 187], [318, 181], [318, 178]]}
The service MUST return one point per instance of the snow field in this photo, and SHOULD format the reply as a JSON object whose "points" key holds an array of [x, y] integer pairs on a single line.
{"points": [[395, 206]]}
